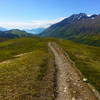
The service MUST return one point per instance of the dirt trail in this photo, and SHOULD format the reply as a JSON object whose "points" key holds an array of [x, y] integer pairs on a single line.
{"points": [[69, 84]]}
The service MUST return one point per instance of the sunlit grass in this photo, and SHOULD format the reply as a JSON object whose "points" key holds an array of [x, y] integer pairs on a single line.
{"points": [[23, 76], [87, 60], [23, 70]]}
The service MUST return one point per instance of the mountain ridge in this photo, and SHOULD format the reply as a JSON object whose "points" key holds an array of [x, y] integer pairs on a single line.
{"points": [[78, 28]]}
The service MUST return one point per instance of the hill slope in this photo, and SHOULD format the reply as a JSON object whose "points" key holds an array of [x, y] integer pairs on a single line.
{"points": [[14, 34], [78, 28], [21, 65]]}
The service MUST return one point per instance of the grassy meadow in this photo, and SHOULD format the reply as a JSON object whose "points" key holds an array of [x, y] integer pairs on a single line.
{"points": [[26, 70], [87, 60], [27, 67]]}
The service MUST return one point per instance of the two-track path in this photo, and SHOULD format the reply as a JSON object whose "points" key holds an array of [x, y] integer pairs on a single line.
{"points": [[69, 84]]}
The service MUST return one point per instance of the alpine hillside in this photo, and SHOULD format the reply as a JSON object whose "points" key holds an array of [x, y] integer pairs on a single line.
{"points": [[78, 28], [15, 33]]}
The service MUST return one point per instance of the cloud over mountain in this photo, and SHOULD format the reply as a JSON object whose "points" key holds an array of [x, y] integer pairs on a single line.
{"points": [[30, 25]]}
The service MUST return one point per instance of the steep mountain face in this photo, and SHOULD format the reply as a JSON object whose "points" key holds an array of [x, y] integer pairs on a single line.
{"points": [[78, 28], [14, 34], [35, 31]]}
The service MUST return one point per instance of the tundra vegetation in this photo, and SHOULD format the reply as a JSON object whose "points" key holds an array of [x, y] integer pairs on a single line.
{"points": [[27, 66]]}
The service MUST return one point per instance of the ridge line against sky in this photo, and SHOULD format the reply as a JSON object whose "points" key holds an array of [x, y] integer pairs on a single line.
{"points": [[20, 13]]}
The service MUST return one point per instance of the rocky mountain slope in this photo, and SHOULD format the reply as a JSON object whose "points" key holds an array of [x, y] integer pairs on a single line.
{"points": [[78, 28]]}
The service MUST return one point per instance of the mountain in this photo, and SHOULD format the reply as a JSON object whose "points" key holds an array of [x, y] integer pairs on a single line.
{"points": [[3, 29], [14, 34], [35, 31], [78, 28]]}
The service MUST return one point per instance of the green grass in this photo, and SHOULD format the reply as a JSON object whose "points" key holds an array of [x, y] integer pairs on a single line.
{"points": [[17, 46], [87, 60], [18, 76], [25, 70], [43, 68], [31, 75]]}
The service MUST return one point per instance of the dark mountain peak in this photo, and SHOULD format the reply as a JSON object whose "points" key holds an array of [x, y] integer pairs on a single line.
{"points": [[78, 27], [79, 15], [75, 18]]}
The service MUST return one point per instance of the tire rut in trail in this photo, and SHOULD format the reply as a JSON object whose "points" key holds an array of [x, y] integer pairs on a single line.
{"points": [[69, 84]]}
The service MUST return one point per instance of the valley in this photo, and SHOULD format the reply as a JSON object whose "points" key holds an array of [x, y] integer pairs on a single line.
{"points": [[49, 50]]}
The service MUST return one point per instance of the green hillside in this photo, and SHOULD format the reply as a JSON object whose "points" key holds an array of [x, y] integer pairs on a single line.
{"points": [[15, 33], [78, 28], [27, 67]]}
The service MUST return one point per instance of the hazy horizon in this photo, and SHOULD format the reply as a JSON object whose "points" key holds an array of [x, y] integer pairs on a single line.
{"points": [[23, 14]]}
